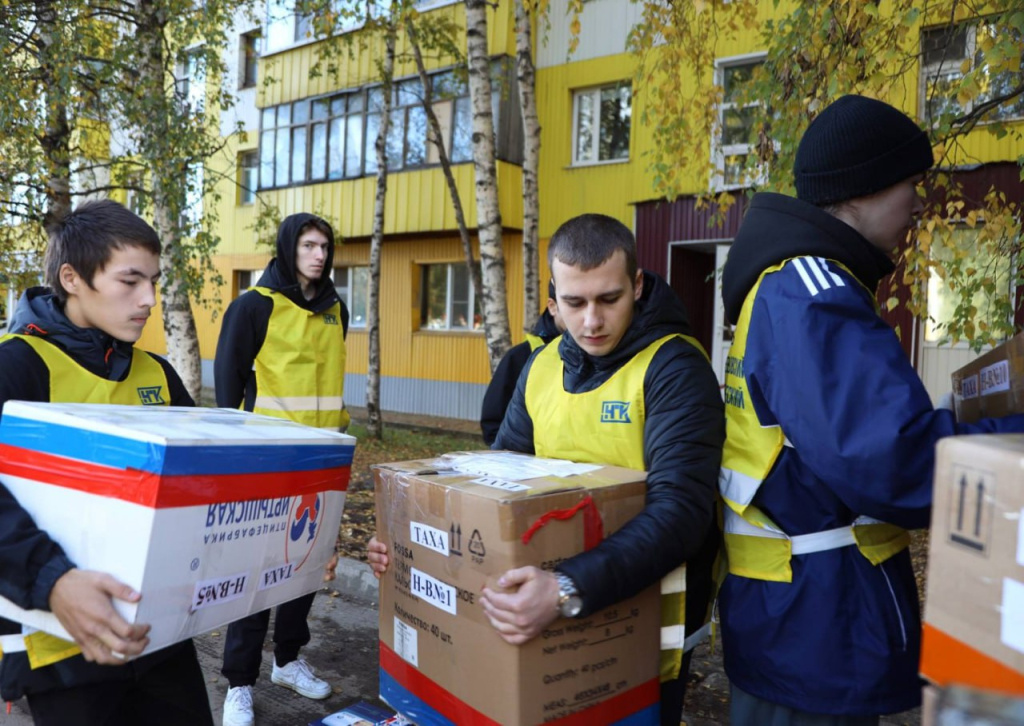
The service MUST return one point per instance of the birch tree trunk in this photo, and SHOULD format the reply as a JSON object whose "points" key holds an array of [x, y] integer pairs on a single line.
{"points": [[437, 138], [169, 184], [375, 424], [531, 160], [492, 256], [56, 137]]}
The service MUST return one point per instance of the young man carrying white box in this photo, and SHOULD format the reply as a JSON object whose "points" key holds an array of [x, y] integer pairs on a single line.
{"points": [[73, 343]]}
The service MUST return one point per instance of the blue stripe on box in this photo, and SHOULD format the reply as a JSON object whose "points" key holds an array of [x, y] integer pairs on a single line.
{"points": [[419, 712], [122, 453]]}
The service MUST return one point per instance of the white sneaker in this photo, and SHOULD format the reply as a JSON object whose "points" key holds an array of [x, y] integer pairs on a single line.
{"points": [[298, 676], [238, 707]]}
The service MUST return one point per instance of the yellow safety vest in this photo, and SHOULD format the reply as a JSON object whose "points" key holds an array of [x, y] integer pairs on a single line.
{"points": [[303, 354], [535, 341], [146, 384], [606, 426], [756, 547]]}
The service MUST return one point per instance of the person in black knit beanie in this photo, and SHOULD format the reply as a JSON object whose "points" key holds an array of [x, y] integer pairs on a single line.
{"points": [[831, 434]]}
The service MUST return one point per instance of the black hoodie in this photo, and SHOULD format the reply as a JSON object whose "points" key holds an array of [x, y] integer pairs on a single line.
{"points": [[244, 328], [777, 227], [30, 561], [684, 429], [503, 382]]}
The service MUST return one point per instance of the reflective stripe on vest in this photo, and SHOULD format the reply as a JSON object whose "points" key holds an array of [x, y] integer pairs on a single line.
{"points": [[303, 355], [146, 384], [756, 546], [606, 426]]}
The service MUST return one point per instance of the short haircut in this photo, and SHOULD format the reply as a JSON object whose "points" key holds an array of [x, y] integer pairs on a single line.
{"points": [[589, 240], [87, 237]]}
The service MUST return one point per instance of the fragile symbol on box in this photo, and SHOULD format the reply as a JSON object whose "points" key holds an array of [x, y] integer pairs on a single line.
{"points": [[221, 590], [970, 515]]}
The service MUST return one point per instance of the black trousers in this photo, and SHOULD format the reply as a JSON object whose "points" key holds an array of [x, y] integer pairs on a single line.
{"points": [[172, 693], [673, 693], [243, 646]]}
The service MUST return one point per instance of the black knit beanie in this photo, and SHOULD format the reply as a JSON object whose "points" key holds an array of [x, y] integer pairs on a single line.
{"points": [[855, 147]]}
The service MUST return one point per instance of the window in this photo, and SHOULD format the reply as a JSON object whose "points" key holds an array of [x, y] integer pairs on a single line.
{"points": [[245, 279], [248, 171], [947, 54], [190, 82], [249, 54], [601, 118], [192, 214], [287, 27], [735, 136], [333, 137], [353, 286], [447, 300], [943, 301]]}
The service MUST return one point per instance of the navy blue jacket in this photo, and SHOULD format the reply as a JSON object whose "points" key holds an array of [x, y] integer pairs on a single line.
{"points": [[844, 636]]}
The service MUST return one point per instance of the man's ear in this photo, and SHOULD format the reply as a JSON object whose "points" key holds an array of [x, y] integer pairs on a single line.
{"points": [[638, 285], [69, 279]]}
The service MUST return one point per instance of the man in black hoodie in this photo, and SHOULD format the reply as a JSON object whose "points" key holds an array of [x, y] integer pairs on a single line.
{"points": [[281, 352], [628, 341], [72, 342], [503, 383]]}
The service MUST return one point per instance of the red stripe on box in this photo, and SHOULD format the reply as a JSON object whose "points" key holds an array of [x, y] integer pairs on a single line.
{"points": [[945, 660], [611, 710], [153, 490]]}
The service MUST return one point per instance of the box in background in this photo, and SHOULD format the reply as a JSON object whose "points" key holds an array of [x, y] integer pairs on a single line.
{"points": [[992, 385], [211, 514], [454, 524], [959, 706], [974, 610]]}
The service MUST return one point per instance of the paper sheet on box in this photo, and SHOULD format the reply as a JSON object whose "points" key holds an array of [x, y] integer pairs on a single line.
{"points": [[1012, 615], [515, 467]]}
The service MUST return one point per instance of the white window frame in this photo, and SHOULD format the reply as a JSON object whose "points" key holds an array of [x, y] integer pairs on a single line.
{"points": [[471, 303], [254, 35], [952, 68], [191, 81], [594, 92], [254, 276], [720, 152], [345, 288]]}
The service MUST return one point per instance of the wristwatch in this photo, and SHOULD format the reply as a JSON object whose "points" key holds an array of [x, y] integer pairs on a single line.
{"points": [[569, 601]]}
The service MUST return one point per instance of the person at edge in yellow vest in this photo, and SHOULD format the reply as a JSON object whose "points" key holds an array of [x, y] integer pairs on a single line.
{"points": [[503, 383], [629, 342], [281, 352], [830, 437], [72, 342]]}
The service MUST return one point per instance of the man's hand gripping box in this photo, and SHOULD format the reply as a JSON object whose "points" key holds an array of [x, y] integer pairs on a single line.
{"points": [[456, 523], [211, 514]]}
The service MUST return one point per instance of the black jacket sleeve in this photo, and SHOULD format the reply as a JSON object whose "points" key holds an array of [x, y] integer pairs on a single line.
{"points": [[499, 391], [241, 336], [30, 562], [684, 431]]}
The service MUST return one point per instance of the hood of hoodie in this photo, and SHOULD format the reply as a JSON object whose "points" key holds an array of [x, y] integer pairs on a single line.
{"points": [[545, 327], [776, 228], [658, 312], [38, 313], [280, 273]]}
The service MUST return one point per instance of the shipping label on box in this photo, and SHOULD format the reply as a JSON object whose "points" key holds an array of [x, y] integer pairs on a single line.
{"points": [[974, 611], [211, 514], [455, 524], [992, 385]]}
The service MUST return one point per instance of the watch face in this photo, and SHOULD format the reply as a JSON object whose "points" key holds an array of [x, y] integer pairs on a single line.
{"points": [[572, 606]]}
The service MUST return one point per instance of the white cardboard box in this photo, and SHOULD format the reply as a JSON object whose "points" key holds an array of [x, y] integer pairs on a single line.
{"points": [[211, 514]]}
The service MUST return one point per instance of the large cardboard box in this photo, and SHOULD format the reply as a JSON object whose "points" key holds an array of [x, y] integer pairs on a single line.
{"points": [[211, 514], [974, 612], [992, 385], [456, 523]]}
